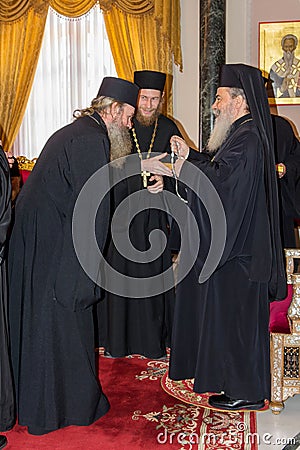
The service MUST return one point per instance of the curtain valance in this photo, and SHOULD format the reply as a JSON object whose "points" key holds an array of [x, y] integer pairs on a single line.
{"points": [[143, 34], [134, 7], [13, 10], [72, 8]]}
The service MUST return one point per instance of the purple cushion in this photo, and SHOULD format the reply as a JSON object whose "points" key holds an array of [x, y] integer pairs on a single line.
{"points": [[279, 313]]}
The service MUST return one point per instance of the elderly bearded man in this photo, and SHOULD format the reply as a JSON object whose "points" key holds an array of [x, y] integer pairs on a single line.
{"points": [[220, 332], [142, 325], [51, 297], [285, 73]]}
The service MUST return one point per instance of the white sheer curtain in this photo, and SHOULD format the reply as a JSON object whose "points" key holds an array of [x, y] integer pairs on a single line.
{"points": [[75, 56]]}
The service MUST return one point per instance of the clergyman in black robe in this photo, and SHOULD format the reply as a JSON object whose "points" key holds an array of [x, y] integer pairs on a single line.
{"points": [[51, 295], [7, 404], [287, 158], [220, 331], [142, 325]]}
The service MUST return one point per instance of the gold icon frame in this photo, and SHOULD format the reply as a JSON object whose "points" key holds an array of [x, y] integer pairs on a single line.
{"points": [[270, 35]]}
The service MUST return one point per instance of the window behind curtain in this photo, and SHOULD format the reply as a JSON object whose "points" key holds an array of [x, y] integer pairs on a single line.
{"points": [[75, 56]]}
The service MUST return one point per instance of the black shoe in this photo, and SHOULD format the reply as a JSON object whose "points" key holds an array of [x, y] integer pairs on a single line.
{"points": [[224, 402], [3, 441]]}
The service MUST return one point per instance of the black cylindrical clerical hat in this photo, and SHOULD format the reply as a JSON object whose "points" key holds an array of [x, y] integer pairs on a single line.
{"points": [[229, 77], [150, 79], [121, 90]]}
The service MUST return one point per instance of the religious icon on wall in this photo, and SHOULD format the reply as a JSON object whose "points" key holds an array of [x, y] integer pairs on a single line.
{"points": [[279, 60]]}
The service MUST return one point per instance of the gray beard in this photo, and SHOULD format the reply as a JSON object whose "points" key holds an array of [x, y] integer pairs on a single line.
{"points": [[288, 58], [219, 133], [120, 141]]}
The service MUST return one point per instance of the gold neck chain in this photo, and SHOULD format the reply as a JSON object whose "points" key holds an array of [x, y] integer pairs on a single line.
{"points": [[144, 174], [151, 143]]}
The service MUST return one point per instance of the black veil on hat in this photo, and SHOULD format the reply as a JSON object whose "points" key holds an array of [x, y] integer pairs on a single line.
{"points": [[121, 90], [150, 79], [250, 79]]}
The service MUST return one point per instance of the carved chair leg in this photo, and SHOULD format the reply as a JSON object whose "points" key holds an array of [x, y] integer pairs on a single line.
{"points": [[276, 407]]}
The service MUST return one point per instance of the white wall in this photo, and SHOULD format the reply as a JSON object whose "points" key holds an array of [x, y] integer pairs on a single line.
{"points": [[186, 83], [238, 31], [242, 37], [242, 21]]}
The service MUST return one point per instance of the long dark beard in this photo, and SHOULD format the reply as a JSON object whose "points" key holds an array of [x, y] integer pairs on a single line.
{"points": [[120, 141], [220, 132], [148, 121]]}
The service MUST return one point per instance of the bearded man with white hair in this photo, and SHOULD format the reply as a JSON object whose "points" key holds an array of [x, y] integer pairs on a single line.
{"points": [[285, 72], [220, 332]]}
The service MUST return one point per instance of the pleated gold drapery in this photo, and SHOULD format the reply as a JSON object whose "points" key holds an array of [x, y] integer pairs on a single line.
{"points": [[72, 8], [22, 24], [150, 40], [75, 8], [143, 34]]}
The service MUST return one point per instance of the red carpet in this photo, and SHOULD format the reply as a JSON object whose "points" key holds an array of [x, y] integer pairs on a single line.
{"points": [[183, 391], [144, 416]]}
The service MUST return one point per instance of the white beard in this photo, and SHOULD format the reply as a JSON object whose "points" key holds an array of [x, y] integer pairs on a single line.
{"points": [[220, 131]]}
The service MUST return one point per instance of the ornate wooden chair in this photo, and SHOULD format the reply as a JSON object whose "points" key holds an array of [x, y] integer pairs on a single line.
{"points": [[25, 167], [285, 338]]}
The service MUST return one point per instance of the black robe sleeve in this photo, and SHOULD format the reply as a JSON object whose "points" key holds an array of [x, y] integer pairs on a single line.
{"points": [[5, 202]]}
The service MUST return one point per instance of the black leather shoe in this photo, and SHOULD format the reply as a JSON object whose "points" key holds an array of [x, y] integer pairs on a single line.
{"points": [[224, 402], [3, 441]]}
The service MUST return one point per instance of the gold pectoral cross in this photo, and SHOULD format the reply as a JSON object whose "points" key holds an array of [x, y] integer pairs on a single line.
{"points": [[145, 174]]}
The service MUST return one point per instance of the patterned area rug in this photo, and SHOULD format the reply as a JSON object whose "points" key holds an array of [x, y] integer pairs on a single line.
{"points": [[145, 417], [183, 390], [219, 429]]}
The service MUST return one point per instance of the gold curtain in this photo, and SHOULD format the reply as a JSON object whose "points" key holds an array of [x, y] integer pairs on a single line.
{"points": [[143, 34], [150, 40], [22, 24], [128, 6], [72, 8]]}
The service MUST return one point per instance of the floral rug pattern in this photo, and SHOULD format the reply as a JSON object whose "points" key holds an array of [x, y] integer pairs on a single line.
{"points": [[193, 424]]}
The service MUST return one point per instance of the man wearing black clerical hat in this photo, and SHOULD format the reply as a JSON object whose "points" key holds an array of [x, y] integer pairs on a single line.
{"points": [[51, 297], [120, 90], [220, 332], [150, 79], [143, 326]]}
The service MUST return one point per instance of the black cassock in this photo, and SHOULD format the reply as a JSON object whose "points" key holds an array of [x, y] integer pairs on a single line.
{"points": [[220, 331], [287, 151], [51, 297], [140, 325], [7, 408]]}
